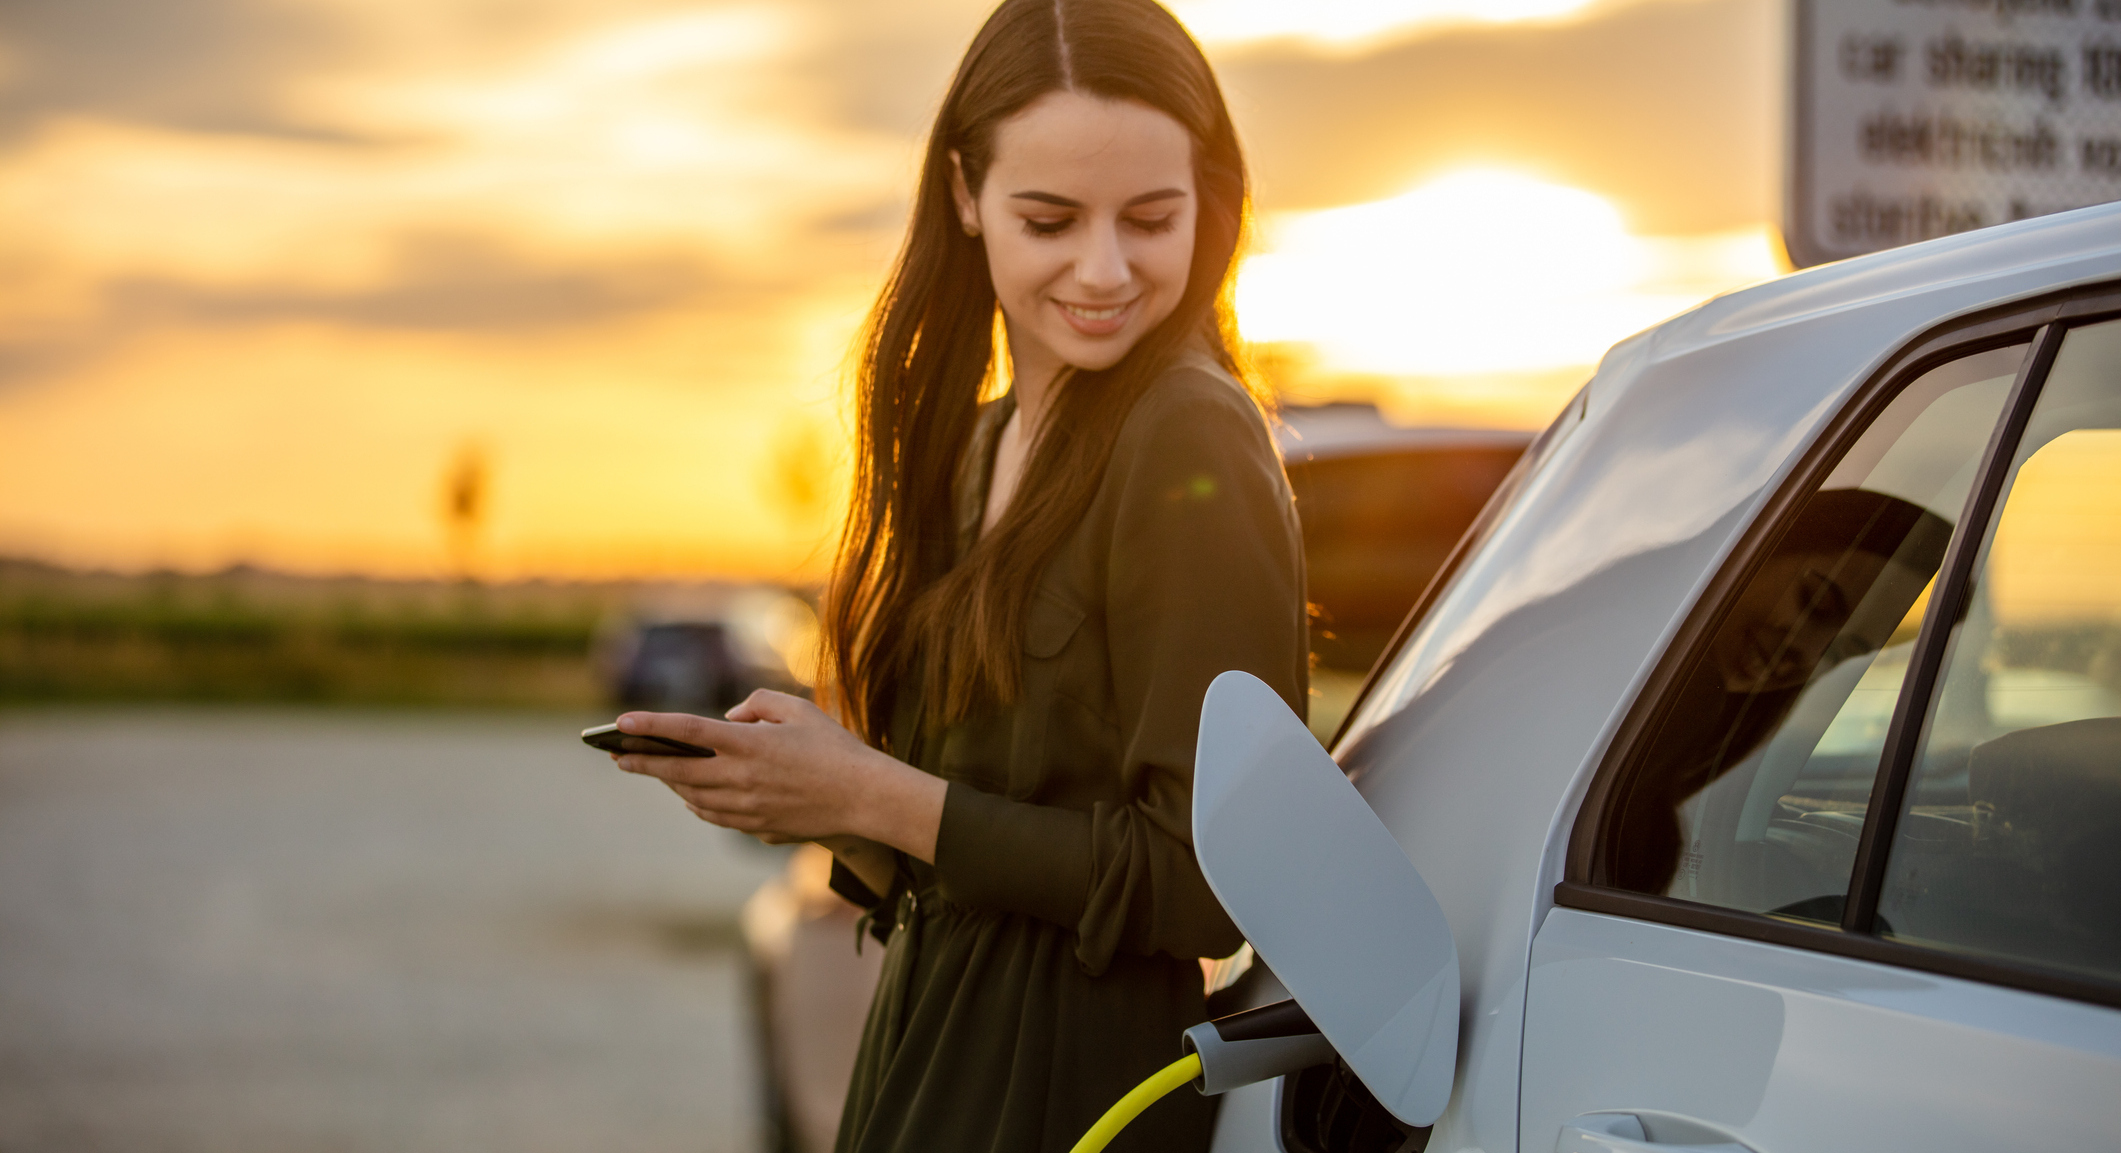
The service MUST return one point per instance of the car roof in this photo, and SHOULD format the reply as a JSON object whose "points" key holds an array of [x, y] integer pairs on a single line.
{"points": [[1984, 267], [1310, 432]]}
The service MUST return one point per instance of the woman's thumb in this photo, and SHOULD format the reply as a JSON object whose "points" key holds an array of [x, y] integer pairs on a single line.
{"points": [[761, 705]]}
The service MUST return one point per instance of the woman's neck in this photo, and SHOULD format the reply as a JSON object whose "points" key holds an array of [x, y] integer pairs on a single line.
{"points": [[1034, 380], [1033, 383]]}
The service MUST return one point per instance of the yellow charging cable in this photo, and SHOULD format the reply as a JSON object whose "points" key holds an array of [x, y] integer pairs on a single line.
{"points": [[1137, 1099]]}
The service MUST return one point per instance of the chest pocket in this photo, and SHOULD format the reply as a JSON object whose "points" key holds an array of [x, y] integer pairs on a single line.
{"points": [[1049, 625], [1007, 752]]}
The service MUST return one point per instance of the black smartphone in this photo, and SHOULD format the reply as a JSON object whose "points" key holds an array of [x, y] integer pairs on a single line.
{"points": [[611, 740]]}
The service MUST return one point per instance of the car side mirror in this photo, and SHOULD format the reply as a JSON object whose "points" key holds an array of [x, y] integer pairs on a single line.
{"points": [[1325, 896]]}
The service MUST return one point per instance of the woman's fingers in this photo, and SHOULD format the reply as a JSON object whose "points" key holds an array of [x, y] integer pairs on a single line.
{"points": [[724, 737], [737, 801], [776, 707], [741, 823], [730, 811], [785, 768], [699, 771], [704, 731]]}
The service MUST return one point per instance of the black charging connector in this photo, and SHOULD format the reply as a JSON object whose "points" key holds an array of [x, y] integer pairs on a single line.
{"points": [[1256, 1045]]}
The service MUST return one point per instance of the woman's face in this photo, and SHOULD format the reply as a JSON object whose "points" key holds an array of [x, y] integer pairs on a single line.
{"points": [[1788, 618], [1087, 213]]}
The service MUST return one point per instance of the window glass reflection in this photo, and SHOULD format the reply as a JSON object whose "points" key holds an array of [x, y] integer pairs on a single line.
{"points": [[1752, 791], [2010, 840]]}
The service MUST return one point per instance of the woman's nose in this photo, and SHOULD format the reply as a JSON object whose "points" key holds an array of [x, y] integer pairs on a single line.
{"points": [[1102, 266]]}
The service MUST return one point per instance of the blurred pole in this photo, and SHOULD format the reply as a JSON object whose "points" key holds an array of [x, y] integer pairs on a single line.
{"points": [[464, 496]]}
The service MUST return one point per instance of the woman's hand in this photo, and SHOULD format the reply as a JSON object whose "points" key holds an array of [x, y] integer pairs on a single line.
{"points": [[784, 771]]}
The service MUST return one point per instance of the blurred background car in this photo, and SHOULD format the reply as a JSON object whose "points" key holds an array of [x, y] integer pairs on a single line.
{"points": [[706, 649], [1382, 507], [680, 666]]}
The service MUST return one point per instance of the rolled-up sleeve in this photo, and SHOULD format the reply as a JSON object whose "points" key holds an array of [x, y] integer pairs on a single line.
{"points": [[1203, 574]]}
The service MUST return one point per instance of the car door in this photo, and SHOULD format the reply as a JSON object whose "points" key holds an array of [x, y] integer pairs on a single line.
{"points": [[1850, 875]]}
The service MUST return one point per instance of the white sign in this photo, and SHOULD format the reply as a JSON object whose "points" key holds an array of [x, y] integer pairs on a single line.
{"points": [[1918, 118]]}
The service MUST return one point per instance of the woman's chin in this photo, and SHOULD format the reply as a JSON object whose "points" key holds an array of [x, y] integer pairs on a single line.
{"points": [[1099, 353], [1094, 363]]}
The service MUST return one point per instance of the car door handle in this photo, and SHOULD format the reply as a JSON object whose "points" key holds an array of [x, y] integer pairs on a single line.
{"points": [[1625, 1133]]}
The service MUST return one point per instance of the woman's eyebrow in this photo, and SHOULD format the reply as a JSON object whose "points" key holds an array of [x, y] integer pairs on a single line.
{"points": [[1064, 202]]}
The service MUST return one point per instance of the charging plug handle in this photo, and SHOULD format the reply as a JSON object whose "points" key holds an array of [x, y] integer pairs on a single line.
{"points": [[1255, 1045]]}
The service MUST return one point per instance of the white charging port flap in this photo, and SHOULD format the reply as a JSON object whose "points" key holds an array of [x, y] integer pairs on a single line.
{"points": [[1326, 897]]}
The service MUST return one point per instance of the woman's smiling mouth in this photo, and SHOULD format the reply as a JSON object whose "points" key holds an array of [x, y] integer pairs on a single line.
{"points": [[1097, 321]]}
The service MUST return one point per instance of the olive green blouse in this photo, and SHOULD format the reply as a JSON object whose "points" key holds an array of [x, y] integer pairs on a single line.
{"points": [[1048, 960]]}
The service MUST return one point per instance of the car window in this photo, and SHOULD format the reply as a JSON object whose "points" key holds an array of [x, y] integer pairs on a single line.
{"points": [[2009, 840], [1751, 789]]}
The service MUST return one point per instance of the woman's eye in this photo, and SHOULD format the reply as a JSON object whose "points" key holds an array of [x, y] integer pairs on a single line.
{"points": [[1159, 224], [1047, 227]]}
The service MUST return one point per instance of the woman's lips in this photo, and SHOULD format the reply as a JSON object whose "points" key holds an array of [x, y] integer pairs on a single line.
{"points": [[1098, 321]]}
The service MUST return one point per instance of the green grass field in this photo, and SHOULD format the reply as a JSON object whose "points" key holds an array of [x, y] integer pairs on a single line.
{"points": [[248, 635]]}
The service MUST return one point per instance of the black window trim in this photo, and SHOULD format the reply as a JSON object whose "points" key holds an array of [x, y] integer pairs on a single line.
{"points": [[1947, 607], [1672, 911], [2039, 322]]}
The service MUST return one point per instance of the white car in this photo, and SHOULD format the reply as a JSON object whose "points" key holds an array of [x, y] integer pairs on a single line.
{"points": [[1761, 745]]}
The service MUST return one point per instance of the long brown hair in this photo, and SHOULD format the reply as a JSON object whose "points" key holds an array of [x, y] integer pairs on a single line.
{"points": [[897, 604]]}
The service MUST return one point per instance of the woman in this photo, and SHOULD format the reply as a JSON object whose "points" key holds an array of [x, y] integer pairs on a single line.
{"points": [[1032, 595]]}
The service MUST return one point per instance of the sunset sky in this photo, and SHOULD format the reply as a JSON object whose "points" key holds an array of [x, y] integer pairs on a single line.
{"points": [[270, 268]]}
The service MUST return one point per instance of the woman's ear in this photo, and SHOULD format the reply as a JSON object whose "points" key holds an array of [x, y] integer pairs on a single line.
{"points": [[967, 208]]}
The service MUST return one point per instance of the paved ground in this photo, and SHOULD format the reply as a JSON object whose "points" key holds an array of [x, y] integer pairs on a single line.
{"points": [[230, 931]]}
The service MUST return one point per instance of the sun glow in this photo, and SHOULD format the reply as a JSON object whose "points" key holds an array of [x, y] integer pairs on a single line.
{"points": [[1352, 23], [595, 253], [276, 282], [1475, 272]]}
